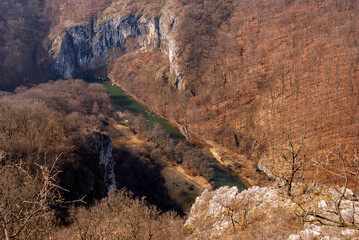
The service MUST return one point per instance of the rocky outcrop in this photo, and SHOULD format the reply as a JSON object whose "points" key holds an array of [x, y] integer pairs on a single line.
{"points": [[327, 222], [219, 214], [88, 47], [167, 27], [268, 214], [82, 48], [107, 161], [325, 233]]}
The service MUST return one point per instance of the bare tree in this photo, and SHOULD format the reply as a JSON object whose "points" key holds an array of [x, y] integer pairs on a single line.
{"points": [[26, 196], [140, 123], [290, 163], [121, 216], [343, 171]]}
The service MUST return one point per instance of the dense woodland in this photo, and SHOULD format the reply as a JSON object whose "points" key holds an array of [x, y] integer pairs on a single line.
{"points": [[51, 138], [22, 55], [273, 81], [44, 130], [256, 72]]}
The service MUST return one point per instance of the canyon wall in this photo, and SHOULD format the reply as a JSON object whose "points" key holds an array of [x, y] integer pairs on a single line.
{"points": [[84, 48]]}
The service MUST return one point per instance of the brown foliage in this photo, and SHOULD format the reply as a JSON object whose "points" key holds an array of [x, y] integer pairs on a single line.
{"points": [[27, 198], [256, 67], [47, 119], [119, 216], [37, 126], [23, 26]]}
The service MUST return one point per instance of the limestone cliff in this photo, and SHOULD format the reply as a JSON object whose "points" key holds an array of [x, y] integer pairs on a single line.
{"points": [[81, 48], [265, 213]]}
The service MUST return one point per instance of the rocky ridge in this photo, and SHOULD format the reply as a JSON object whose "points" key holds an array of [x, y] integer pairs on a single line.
{"points": [[227, 213]]}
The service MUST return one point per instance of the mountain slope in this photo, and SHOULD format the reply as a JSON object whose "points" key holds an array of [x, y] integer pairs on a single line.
{"points": [[246, 75]]}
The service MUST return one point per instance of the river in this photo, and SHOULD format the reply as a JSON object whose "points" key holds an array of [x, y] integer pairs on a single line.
{"points": [[222, 176]]}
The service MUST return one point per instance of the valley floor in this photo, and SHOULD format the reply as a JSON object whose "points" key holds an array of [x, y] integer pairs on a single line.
{"points": [[183, 188]]}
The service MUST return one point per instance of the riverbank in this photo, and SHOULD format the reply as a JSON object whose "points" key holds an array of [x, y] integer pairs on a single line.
{"points": [[182, 188], [243, 168]]}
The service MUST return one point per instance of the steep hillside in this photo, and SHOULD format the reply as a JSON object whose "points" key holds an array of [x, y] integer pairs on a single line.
{"points": [[62, 146], [268, 86], [52, 150], [247, 75], [23, 57]]}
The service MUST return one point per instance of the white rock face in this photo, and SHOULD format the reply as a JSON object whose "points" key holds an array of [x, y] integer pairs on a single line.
{"points": [[215, 213], [293, 237], [88, 47], [168, 24], [324, 233], [322, 204], [349, 208], [212, 213]]}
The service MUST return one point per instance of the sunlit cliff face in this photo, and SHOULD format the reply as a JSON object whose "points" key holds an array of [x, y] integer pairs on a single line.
{"points": [[265, 212], [83, 48]]}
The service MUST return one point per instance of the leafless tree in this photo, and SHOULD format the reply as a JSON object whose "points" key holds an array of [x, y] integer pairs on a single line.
{"points": [[120, 215], [26, 197], [290, 163], [343, 171]]}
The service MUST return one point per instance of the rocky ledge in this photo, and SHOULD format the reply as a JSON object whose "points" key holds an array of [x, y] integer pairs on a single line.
{"points": [[265, 212]]}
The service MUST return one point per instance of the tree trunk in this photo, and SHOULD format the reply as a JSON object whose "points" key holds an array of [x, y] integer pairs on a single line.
{"points": [[6, 230]]}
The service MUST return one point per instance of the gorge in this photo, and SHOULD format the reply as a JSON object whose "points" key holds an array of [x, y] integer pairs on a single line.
{"points": [[222, 176], [216, 76], [267, 88]]}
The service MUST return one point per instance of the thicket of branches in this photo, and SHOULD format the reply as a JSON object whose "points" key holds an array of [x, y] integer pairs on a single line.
{"points": [[49, 161], [23, 27], [42, 130], [121, 216]]}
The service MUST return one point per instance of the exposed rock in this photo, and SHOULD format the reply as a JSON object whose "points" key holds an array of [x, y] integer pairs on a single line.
{"points": [[87, 47], [213, 214], [106, 160], [322, 204], [168, 23], [324, 233], [2, 155], [83, 48], [262, 166], [226, 213]]}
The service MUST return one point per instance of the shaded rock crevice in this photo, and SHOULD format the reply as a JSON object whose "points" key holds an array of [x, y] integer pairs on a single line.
{"points": [[106, 160]]}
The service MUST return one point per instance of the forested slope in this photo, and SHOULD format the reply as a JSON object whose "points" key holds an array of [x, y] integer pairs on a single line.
{"points": [[244, 74], [273, 83], [258, 72]]}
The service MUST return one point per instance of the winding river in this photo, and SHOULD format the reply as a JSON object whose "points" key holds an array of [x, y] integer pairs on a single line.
{"points": [[221, 177]]}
